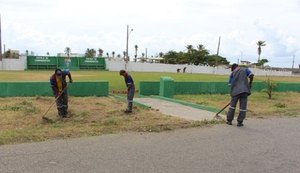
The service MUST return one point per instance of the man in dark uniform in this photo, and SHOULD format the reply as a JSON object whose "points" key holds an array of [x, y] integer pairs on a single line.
{"points": [[59, 87], [130, 90], [240, 90]]}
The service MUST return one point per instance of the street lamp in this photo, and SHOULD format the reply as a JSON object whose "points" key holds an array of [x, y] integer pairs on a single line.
{"points": [[127, 38]]}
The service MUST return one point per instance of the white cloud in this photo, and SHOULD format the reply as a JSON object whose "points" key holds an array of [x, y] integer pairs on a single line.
{"points": [[159, 25]]}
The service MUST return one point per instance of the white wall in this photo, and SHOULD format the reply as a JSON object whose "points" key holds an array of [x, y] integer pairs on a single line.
{"points": [[20, 64], [156, 67], [14, 64]]}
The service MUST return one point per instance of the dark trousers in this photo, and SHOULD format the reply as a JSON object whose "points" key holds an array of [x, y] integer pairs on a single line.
{"points": [[62, 104], [130, 95], [242, 98]]}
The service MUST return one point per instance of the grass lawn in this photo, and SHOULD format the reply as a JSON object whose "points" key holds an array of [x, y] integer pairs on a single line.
{"points": [[282, 104], [21, 119], [116, 81]]}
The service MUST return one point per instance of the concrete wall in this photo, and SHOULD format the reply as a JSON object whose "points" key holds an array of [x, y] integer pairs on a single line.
{"points": [[155, 67], [14, 64], [20, 64]]}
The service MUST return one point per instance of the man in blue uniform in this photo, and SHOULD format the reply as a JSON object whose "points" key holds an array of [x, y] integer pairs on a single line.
{"points": [[240, 90], [59, 87], [130, 90]]}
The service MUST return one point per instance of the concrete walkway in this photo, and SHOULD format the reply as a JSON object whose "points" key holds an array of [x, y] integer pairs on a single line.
{"points": [[176, 109], [261, 146]]}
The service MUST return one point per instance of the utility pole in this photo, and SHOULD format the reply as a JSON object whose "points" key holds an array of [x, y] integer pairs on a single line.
{"points": [[127, 35], [0, 41], [127, 39], [219, 42], [293, 62], [218, 51]]}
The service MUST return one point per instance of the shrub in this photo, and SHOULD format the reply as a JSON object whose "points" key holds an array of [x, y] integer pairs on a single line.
{"points": [[270, 87]]}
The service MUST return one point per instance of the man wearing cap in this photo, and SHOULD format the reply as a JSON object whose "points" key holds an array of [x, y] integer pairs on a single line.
{"points": [[59, 87], [130, 89], [240, 90]]}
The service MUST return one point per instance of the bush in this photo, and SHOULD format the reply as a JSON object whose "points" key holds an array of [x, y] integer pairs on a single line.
{"points": [[270, 87]]}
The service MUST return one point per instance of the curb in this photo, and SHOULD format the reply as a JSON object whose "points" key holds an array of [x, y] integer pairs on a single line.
{"points": [[207, 108], [124, 99]]}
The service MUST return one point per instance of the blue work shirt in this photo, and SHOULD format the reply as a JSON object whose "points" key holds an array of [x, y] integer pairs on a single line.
{"points": [[238, 81], [128, 80]]}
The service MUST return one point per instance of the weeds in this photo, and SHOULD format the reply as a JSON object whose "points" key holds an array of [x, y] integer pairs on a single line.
{"points": [[280, 105]]}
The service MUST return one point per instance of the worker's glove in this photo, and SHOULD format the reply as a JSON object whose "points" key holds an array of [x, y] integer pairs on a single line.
{"points": [[71, 81], [57, 94]]}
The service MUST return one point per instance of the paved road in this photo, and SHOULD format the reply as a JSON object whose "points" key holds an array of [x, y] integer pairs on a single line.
{"points": [[177, 110], [261, 146]]}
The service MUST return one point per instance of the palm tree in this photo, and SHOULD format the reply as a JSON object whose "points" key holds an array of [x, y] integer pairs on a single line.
{"points": [[113, 53], [190, 48], [161, 54], [107, 54], [90, 53], [68, 51], [136, 49], [260, 44], [100, 51], [124, 55], [48, 53]]}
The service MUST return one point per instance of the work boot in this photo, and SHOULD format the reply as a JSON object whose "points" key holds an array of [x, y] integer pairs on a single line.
{"points": [[127, 111], [240, 124], [229, 122]]}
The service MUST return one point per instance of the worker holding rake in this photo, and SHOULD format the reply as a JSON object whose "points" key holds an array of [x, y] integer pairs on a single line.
{"points": [[130, 90], [59, 87], [240, 90]]}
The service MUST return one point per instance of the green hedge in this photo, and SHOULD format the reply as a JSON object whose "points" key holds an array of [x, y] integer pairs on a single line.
{"points": [[29, 89]]}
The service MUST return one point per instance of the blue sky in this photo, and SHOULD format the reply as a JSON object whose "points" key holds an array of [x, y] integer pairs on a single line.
{"points": [[158, 25]]}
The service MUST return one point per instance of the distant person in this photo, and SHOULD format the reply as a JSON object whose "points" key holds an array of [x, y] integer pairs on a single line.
{"points": [[178, 70], [59, 87], [240, 90], [130, 90], [184, 69]]}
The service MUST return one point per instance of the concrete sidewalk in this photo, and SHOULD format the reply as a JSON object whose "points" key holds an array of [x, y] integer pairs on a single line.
{"points": [[177, 110]]}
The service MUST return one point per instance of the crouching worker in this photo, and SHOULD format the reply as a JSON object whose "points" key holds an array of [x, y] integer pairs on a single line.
{"points": [[130, 90], [59, 87], [240, 90]]}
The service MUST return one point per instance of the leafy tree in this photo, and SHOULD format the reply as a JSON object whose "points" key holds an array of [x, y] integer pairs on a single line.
{"points": [[171, 57], [161, 54], [7, 54], [260, 44], [215, 60], [262, 62]]}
